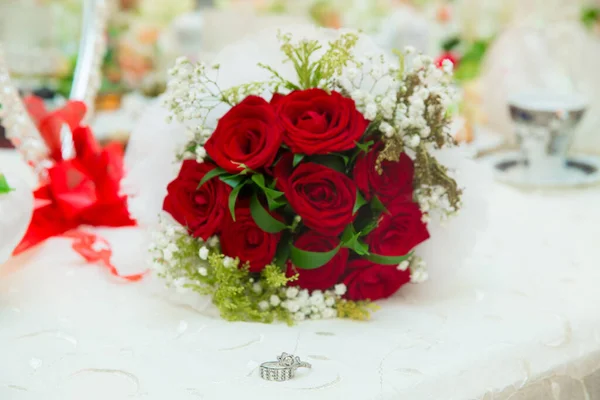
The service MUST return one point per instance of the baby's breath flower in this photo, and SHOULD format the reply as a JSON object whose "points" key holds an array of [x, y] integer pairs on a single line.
{"points": [[340, 289], [274, 300], [291, 292], [203, 253], [228, 262]]}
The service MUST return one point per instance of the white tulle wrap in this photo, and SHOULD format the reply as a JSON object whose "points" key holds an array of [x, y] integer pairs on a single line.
{"points": [[154, 143]]}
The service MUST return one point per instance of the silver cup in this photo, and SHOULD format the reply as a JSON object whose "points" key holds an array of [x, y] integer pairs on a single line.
{"points": [[545, 125]]}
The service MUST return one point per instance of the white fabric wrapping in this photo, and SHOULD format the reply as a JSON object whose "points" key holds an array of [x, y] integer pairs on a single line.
{"points": [[16, 207]]}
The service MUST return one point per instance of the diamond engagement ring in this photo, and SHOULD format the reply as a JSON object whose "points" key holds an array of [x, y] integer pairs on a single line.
{"points": [[283, 369]]}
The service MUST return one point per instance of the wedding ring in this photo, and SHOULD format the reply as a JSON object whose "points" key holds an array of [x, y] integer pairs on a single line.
{"points": [[283, 369]]}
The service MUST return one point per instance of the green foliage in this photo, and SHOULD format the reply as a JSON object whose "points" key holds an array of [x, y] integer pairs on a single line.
{"points": [[470, 64], [313, 71], [4, 187], [590, 16], [356, 310]]}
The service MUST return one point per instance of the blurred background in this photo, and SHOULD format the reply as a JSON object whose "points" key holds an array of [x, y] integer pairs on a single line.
{"points": [[497, 46]]}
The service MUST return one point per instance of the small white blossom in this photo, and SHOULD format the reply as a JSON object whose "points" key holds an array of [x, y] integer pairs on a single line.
{"points": [[403, 266], [358, 96], [303, 295], [291, 292], [203, 253], [329, 313], [202, 271], [167, 255], [317, 298], [228, 262], [299, 316], [275, 300], [371, 111], [293, 306], [263, 305], [447, 66], [419, 275], [329, 302], [415, 140], [257, 288], [340, 289], [213, 241], [200, 154], [351, 73], [387, 129], [409, 50]]}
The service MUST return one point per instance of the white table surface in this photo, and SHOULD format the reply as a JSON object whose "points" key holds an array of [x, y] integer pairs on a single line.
{"points": [[525, 307]]}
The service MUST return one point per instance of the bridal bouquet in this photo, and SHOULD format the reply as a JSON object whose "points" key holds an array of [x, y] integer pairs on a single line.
{"points": [[310, 194]]}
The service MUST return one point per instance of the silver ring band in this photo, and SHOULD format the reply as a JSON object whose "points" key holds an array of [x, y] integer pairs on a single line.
{"points": [[273, 371], [283, 369]]}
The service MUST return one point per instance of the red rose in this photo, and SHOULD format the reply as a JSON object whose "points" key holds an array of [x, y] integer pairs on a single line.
{"points": [[398, 232], [200, 210], [323, 197], [394, 184], [328, 275], [316, 122], [368, 281], [248, 136], [243, 239]]}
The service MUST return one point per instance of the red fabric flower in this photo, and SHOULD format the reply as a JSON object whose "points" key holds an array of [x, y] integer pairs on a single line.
{"points": [[79, 191], [248, 136], [328, 275], [317, 122], [394, 184], [399, 232], [368, 281], [450, 56], [323, 197], [243, 239], [50, 124], [202, 209]]}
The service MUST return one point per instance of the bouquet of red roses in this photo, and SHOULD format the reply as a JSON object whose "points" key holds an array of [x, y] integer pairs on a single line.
{"points": [[310, 195]]}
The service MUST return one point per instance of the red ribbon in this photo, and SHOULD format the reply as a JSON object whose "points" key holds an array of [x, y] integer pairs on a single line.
{"points": [[94, 249], [83, 190]]}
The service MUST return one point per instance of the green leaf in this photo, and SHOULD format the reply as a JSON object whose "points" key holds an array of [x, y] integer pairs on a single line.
{"points": [[263, 218], [233, 180], [298, 158], [217, 171], [370, 227], [309, 259], [365, 147], [283, 251], [4, 187], [333, 161], [275, 204], [233, 198], [360, 201], [590, 16], [351, 240], [259, 179], [451, 43], [387, 260], [377, 206]]}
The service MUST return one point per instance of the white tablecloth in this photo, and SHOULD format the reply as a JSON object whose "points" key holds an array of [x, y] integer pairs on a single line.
{"points": [[519, 320]]}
